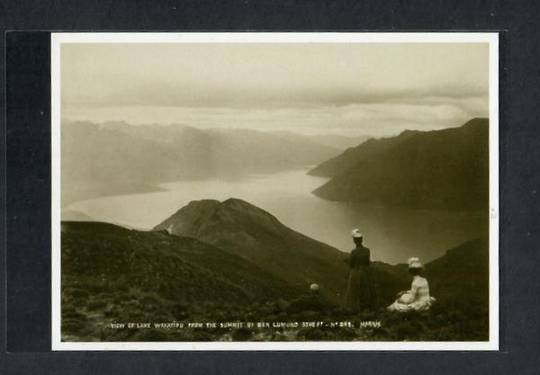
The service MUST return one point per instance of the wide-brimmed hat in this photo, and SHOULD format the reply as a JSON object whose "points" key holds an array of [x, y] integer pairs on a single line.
{"points": [[356, 233], [414, 262]]}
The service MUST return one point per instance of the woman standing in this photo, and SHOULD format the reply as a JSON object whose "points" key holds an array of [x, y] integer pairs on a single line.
{"points": [[361, 291]]}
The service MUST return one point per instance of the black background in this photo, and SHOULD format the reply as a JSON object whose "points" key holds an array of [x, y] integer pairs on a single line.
{"points": [[25, 182]]}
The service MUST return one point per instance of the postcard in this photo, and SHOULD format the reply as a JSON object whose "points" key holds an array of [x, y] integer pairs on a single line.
{"points": [[275, 191]]}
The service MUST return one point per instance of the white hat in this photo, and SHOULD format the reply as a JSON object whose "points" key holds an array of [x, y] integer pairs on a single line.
{"points": [[356, 233], [414, 262]]}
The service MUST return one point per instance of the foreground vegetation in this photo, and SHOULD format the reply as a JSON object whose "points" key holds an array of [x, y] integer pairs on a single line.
{"points": [[127, 285], [100, 318]]}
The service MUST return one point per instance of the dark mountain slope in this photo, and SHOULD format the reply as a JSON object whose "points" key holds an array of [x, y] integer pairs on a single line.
{"points": [[353, 155], [461, 276], [255, 235], [446, 169], [106, 256]]}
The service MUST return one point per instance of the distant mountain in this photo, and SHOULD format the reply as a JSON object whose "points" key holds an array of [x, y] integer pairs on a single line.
{"points": [[443, 169], [112, 158], [336, 141], [353, 155], [255, 235]]}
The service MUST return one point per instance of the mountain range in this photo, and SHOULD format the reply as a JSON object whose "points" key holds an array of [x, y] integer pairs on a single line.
{"points": [[442, 169], [113, 158]]}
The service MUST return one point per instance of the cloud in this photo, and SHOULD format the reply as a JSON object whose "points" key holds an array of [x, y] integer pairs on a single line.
{"points": [[375, 89], [274, 74], [374, 119], [167, 95]]}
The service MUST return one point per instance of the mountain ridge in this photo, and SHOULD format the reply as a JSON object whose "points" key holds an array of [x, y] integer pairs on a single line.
{"points": [[441, 169]]}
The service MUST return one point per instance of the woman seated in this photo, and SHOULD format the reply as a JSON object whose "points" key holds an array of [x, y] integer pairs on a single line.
{"points": [[417, 298]]}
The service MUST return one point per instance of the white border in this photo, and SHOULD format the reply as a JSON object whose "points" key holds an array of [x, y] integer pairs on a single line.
{"points": [[492, 38]]}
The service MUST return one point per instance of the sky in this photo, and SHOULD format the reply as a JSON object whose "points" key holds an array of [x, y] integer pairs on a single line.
{"points": [[311, 88]]}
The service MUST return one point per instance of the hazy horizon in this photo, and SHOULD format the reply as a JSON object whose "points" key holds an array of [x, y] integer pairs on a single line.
{"points": [[347, 89]]}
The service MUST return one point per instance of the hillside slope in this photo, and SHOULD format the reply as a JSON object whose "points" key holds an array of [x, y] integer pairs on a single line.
{"points": [[180, 268], [353, 155], [459, 270], [445, 169], [255, 235], [461, 275], [111, 274]]}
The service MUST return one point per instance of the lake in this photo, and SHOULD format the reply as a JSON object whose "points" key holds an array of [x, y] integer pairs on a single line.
{"points": [[393, 234]]}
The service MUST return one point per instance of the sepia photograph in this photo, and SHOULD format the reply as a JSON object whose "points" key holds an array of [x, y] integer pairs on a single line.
{"points": [[275, 191]]}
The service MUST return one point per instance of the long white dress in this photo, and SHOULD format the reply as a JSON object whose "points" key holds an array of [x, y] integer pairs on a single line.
{"points": [[417, 298]]}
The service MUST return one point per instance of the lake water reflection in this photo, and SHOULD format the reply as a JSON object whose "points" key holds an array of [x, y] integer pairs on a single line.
{"points": [[393, 234]]}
